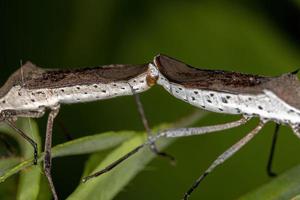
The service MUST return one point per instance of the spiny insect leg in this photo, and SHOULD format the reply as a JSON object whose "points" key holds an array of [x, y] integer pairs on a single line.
{"points": [[141, 111], [48, 143], [272, 152], [224, 156], [27, 138]]}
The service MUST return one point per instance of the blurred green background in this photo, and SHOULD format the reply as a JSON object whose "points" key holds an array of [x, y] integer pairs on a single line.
{"points": [[251, 36]]}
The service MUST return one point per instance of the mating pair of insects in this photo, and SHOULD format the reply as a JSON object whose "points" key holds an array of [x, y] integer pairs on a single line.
{"points": [[30, 91]]}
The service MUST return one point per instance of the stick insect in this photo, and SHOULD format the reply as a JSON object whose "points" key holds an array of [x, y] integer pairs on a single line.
{"points": [[224, 92], [31, 90]]}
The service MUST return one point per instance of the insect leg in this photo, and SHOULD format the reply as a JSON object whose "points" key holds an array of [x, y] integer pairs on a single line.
{"points": [[224, 156], [114, 164], [27, 138], [147, 128], [151, 140], [8, 119], [272, 151], [48, 142], [182, 132]]}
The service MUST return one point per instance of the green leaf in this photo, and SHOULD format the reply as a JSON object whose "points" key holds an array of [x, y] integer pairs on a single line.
{"points": [[7, 163], [296, 197], [28, 185], [8, 189], [108, 185], [93, 162], [89, 144], [45, 193], [16, 169], [96, 143], [283, 187], [29, 182]]}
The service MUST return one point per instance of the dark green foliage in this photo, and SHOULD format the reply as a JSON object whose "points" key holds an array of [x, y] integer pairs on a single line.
{"points": [[259, 37]]}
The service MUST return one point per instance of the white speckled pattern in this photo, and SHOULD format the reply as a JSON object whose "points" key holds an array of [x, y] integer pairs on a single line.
{"points": [[267, 105], [20, 98]]}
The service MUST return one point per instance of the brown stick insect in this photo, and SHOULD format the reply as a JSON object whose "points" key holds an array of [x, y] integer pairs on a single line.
{"points": [[224, 92], [31, 90]]}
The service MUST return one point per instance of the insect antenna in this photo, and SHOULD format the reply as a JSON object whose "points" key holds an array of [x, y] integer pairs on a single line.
{"points": [[272, 152], [22, 73]]}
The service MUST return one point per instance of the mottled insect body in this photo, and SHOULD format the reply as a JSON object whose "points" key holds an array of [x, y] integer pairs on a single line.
{"points": [[34, 96], [269, 98], [31, 90], [262, 103]]}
